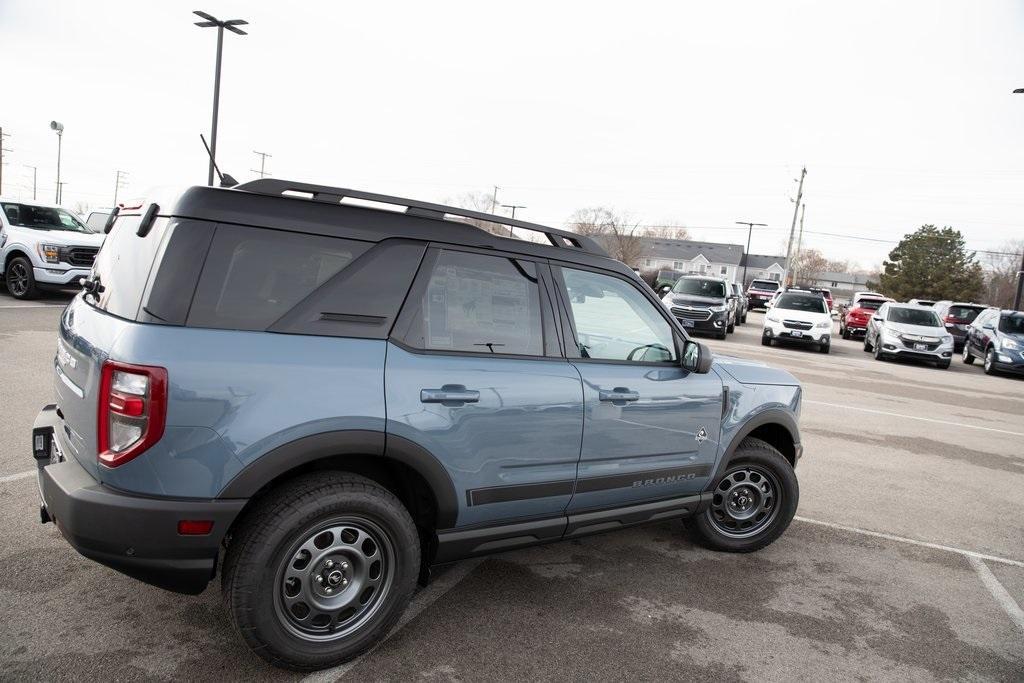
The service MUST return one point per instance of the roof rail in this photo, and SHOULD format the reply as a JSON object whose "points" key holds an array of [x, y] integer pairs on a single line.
{"points": [[276, 187]]}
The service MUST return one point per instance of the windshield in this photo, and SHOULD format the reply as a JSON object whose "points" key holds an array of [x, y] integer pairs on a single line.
{"points": [[965, 313], [1012, 324], [769, 285], [914, 316], [801, 302], [870, 304], [42, 218], [696, 287]]}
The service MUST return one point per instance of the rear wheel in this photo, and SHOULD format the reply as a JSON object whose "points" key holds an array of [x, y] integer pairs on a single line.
{"points": [[845, 333], [21, 279], [753, 503], [320, 570], [731, 328], [967, 356]]}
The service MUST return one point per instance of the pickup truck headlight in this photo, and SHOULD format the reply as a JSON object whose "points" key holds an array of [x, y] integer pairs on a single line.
{"points": [[49, 252], [824, 325]]}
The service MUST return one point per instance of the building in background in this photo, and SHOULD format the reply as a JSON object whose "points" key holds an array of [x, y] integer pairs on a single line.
{"points": [[842, 285], [763, 267], [691, 258]]}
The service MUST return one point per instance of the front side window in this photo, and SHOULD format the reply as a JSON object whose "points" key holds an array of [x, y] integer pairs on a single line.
{"points": [[479, 304], [614, 321], [913, 316], [42, 218]]}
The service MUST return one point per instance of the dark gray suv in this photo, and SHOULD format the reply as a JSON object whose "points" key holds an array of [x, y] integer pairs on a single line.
{"points": [[320, 400]]}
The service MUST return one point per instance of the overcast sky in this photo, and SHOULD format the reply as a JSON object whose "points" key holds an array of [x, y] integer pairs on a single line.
{"points": [[692, 113]]}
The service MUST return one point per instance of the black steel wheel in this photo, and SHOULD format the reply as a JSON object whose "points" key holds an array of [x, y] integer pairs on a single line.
{"points": [[320, 569], [20, 279], [752, 503]]}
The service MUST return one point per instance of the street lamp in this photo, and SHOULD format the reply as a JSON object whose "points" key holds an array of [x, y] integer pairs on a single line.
{"points": [[1020, 273], [746, 254], [231, 25], [58, 128]]}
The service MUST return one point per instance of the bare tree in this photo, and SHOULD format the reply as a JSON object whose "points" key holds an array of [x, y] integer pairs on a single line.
{"points": [[808, 265], [484, 203], [670, 231], [82, 208], [1001, 275], [621, 239]]}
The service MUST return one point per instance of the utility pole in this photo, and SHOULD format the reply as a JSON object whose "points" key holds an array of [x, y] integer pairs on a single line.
{"points": [[231, 25], [750, 229], [118, 184], [34, 172], [494, 199], [792, 228], [2, 150], [60, 191], [799, 241], [58, 128], [513, 207], [1020, 285], [263, 162]]}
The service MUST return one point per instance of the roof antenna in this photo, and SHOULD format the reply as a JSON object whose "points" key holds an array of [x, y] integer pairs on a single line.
{"points": [[225, 179]]}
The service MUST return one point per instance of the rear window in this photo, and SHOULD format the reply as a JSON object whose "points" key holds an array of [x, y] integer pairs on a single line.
{"points": [[869, 304], [123, 264], [810, 303], [769, 285], [253, 276], [965, 313]]}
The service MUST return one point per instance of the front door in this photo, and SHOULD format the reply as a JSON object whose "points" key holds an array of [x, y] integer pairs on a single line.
{"points": [[475, 376], [651, 428]]}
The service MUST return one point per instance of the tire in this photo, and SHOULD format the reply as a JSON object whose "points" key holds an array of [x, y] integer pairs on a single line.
{"points": [[878, 353], [943, 365], [766, 340], [721, 335], [824, 348], [20, 279], [990, 362], [845, 333], [867, 344], [967, 357], [731, 329], [717, 529], [744, 318], [344, 511]]}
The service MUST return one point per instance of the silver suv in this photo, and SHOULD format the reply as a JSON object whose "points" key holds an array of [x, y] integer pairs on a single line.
{"points": [[908, 331]]}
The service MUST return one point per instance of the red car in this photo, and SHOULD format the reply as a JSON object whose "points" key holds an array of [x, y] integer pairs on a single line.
{"points": [[760, 293], [854, 322]]}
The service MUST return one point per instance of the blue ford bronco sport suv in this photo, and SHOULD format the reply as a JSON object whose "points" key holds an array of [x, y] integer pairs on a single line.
{"points": [[323, 393]]}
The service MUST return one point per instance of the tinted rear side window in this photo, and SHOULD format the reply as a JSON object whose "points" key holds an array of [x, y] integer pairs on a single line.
{"points": [[479, 304], [124, 263], [965, 313], [253, 276]]}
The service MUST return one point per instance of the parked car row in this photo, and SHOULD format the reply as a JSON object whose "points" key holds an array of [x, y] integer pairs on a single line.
{"points": [[706, 304]]}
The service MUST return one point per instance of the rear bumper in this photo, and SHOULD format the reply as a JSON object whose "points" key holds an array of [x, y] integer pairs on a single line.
{"points": [[135, 535]]}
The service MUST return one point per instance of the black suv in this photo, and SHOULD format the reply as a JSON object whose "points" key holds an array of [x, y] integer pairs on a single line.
{"points": [[957, 316]]}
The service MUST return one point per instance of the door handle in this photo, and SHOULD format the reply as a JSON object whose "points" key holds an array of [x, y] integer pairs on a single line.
{"points": [[449, 395], [618, 394]]}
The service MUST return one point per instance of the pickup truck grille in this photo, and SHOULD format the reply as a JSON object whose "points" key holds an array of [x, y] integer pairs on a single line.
{"points": [[79, 256], [796, 325], [700, 314]]}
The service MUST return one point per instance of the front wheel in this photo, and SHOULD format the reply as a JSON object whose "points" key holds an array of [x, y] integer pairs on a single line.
{"points": [[967, 357], [753, 502], [824, 348], [21, 279], [878, 351], [320, 570], [867, 344], [990, 361]]}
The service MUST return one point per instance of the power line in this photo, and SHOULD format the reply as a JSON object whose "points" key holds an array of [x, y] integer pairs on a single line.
{"points": [[263, 163]]}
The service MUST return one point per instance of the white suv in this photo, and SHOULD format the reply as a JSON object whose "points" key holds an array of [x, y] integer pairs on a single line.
{"points": [[42, 244], [798, 317]]}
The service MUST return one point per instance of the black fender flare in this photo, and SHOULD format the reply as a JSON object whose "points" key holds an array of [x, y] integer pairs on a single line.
{"points": [[776, 416], [307, 449]]}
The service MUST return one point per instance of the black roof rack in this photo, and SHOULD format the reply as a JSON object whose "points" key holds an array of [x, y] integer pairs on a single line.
{"points": [[276, 187]]}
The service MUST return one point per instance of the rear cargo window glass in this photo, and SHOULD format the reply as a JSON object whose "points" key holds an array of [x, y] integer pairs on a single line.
{"points": [[964, 313], [122, 267], [254, 276], [766, 285], [480, 304]]}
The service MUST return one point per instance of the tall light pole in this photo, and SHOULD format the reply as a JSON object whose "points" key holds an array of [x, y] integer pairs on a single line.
{"points": [[59, 129], [231, 25], [792, 229], [750, 229], [34, 172], [1020, 273]]}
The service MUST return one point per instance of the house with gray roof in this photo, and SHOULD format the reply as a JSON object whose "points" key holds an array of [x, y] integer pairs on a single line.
{"points": [[763, 267], [691, 257]]}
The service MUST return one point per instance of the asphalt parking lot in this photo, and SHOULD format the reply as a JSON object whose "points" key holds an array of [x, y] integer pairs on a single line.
{"points": [[906, 560]]}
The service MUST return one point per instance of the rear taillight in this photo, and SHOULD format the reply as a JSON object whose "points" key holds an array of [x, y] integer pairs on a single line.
{"points": [[133, 410]]}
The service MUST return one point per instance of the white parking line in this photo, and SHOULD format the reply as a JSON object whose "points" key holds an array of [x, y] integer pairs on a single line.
{"points": [[998, 592], [914, 417], [37, 306], [15, 477], [912, 541], [420, 602]]}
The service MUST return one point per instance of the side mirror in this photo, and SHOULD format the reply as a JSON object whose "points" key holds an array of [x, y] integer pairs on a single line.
{"points": [[877, 317], [663, 290], [697, 357]]}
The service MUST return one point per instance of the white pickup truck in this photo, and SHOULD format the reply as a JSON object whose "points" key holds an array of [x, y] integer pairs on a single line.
{"points": [[43, 245]]}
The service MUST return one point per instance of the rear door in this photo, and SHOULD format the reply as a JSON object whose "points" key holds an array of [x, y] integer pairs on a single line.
{"points": [[651, 428], [475, 376]]}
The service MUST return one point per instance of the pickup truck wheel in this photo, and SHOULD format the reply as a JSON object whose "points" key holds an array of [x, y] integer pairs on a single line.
{"points": [[21, 279], [753, 502], [320, 570]]}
